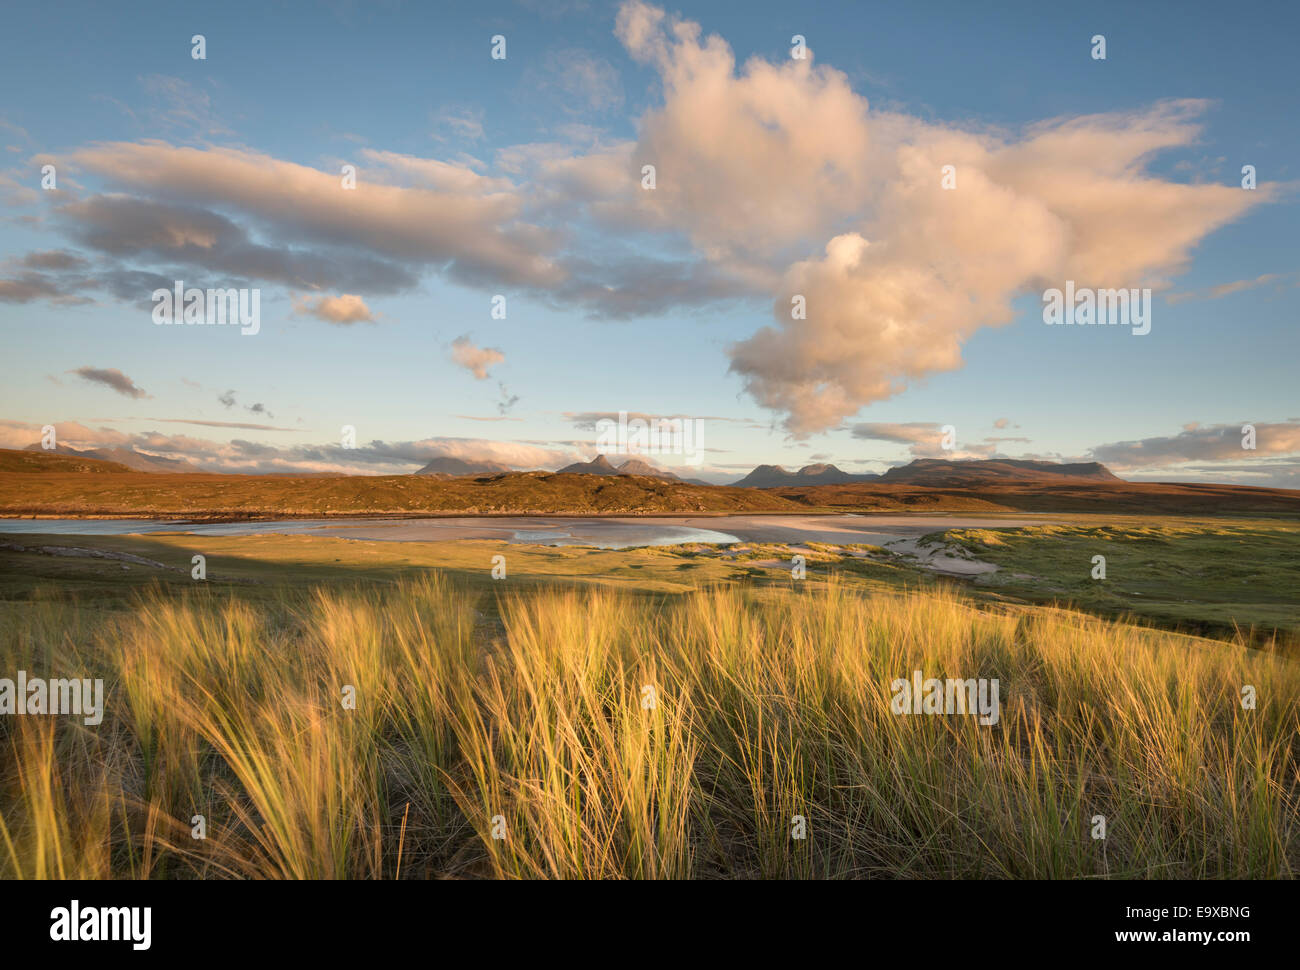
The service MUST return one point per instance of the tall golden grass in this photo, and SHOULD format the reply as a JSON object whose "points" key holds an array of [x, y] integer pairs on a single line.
{"points": [[516, 739]]}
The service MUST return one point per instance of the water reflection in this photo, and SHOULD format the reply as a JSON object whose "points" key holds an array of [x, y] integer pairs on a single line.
{"points": [[603, 533]]}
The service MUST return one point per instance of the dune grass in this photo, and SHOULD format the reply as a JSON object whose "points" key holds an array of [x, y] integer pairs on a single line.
{"points": [[599, 734]]}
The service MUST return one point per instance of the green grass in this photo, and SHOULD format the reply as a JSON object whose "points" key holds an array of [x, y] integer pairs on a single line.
{"points": [[261, 566], [1210, 576]]}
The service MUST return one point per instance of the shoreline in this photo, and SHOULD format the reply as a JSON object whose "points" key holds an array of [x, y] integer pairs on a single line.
{"points": [[527, 514], [605, 531]]}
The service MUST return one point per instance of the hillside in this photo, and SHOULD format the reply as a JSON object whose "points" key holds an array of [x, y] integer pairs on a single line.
{"points": [[206, 496], [28, 462], [1048, 495], [128, 457]]}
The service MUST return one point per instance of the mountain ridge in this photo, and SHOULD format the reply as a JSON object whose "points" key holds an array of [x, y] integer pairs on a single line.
{"points": [[936, 472], [211, 495], [600, 465], [456, 467], [126, 456], [773, 476]]}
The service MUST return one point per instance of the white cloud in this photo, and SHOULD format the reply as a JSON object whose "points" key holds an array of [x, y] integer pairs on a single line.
{"points": [[345, 309], [477, 360]]}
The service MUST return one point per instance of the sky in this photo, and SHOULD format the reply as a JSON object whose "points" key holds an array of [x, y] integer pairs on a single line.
{"points": [[855, 214]]}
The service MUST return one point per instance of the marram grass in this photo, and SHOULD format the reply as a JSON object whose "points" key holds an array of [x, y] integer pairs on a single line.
{"points": [[604, 734]]}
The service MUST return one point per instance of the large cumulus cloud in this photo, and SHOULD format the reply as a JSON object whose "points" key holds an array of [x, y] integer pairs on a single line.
{"points": [[774, 179]]}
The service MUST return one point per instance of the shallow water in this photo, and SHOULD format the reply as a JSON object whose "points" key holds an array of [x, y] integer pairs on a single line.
{"points": [[605, 533]]}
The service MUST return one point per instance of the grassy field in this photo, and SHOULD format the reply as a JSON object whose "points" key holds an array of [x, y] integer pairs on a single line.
{"points": [[1212, 576], [518, 708], [261, 567]]}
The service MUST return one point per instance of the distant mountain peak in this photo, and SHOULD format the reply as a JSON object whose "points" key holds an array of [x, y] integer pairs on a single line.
{"points": [[597, 466], [601, 465], [136, 461], [637, 466], [458, 467], [772, 476], [948, 471]]}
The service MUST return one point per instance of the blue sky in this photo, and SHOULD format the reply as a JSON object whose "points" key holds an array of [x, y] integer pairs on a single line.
{"points": [[520, 177]]}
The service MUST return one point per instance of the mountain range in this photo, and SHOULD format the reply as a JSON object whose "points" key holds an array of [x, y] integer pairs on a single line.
{"points": [[938, 472], [773, 476], [600, 465], [75, 484], [931, 472]]}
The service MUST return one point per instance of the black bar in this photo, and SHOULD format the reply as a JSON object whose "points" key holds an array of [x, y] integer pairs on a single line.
{"points": [[981, 920]]}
